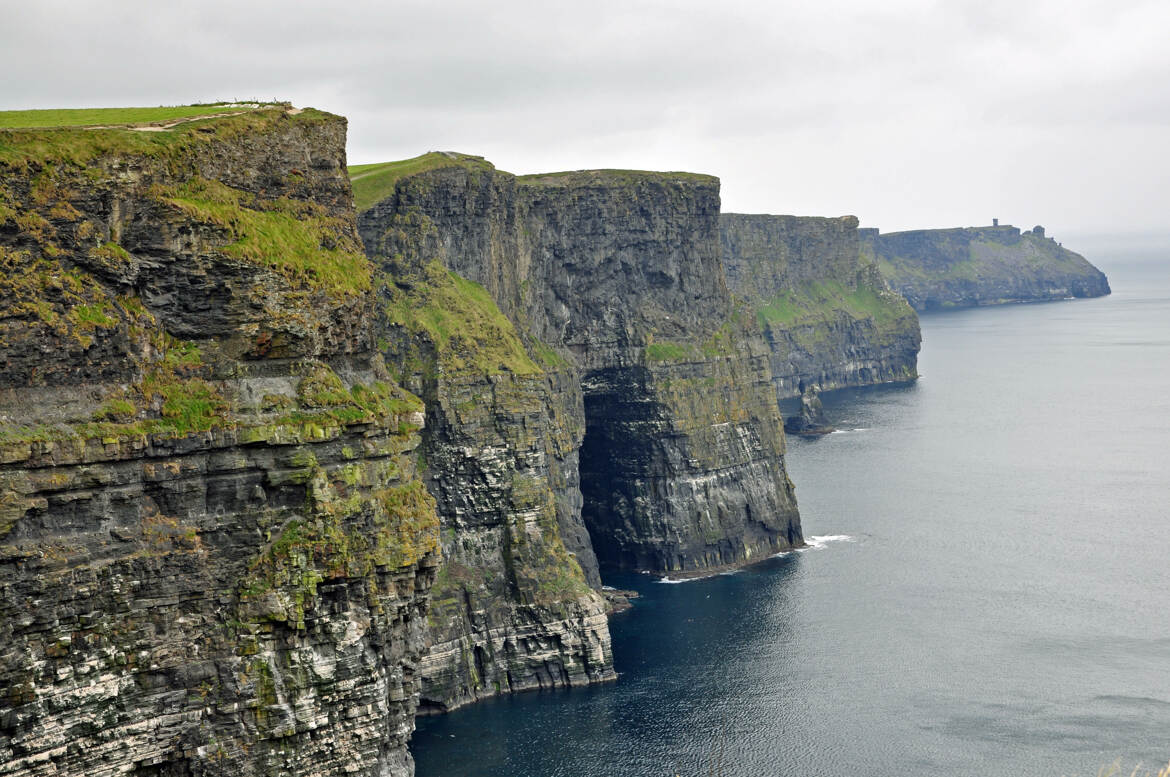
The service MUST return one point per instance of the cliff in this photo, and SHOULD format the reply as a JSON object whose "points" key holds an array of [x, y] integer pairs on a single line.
{"points": [[215, 547], [619, 322], [828, 317], [944, 268], [512, 608]]}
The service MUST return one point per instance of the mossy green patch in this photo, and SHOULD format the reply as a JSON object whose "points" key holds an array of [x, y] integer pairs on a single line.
{"points": [[823, 300], [65, 301], [295, 238], [547, 356], [117, 410], [373, 183], [357, 523], [669, 352], [459, 319]]}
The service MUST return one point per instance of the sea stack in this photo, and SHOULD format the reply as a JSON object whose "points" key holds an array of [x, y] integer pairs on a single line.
{"points": [[811, 421]]}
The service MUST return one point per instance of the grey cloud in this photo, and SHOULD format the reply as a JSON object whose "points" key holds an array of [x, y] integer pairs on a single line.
{"points": [[910, 113]]}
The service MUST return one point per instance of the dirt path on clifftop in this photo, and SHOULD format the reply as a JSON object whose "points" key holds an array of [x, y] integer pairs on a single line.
{"points": [[161, 126]]}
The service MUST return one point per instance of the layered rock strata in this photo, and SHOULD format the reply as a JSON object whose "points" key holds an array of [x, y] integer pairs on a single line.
{"points": [[512, 608], [612, 286], [829, 318], [946, 268], [682, 466], [215, 547], [620, 272]]}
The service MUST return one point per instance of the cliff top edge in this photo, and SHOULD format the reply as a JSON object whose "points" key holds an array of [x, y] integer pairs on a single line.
{"points": [[612, 176], [374, 182], [156, 118], [71, 136]]}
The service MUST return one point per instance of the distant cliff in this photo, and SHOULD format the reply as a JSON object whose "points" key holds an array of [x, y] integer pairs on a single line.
{"points": [[215, 546], [512, 607], [614, 297], [944, 268], [829, 318]]}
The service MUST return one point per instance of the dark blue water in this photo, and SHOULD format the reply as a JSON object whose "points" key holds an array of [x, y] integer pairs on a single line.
{"points": [[990, 594]]}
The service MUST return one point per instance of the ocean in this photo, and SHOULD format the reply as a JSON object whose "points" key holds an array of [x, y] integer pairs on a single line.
{"points": [[986, 589]]}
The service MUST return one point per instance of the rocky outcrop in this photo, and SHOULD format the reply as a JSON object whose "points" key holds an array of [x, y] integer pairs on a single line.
{"points": [[513, 607], [215, 547], [945, 268], [620, 273], [811, 420], [829, 318], [617, 324]]}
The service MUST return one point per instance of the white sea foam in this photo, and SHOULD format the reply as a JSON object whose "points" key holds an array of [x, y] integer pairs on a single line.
{"points": [[814, 543], [811, 543], [677, 580]]}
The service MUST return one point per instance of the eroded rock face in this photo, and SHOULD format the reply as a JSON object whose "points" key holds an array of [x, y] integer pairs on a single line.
{"points": [[829, 318], [682, 469], [944, 268], [620, 273], [513, 608], [215, 547]]}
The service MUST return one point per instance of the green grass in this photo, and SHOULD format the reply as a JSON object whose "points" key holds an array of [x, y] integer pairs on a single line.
{"points": [[547, 356], [461, 321], [580, 177], [661, 352], [815, 301], [292, 237], [373, 183], [783, 309], [21, 149], [90, 117]]}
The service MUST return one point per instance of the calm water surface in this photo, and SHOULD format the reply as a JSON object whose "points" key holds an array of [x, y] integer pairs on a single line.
{"points": [[988, 592]]}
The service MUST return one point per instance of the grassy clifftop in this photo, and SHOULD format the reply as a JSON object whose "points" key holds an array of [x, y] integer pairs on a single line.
{"points": [[153, 265], [373, 183], [944, 268], [612, 177], [107, 117]]}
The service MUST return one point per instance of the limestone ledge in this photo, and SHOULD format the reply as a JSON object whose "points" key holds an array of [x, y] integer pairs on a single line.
{"points": [[540, 651]]}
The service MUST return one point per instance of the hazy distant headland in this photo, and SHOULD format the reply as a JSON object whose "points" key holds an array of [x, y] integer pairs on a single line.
{"points": [[971, 266]]}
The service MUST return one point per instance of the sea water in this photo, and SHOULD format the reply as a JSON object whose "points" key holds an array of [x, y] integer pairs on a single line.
{"points": [[986, 589]]}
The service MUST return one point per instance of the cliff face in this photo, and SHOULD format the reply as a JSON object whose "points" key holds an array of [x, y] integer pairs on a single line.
{"points": [[682, 466], [829, 318], [618, 333], [214, 545], [942, 268], [620, 273], [512, 608]]}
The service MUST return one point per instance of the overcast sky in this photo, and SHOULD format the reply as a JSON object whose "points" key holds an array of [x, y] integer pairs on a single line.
{"points": [[907, 113]]}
